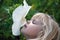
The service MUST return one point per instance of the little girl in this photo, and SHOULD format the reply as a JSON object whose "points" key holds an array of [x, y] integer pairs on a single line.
{"points": [[41, 27]]}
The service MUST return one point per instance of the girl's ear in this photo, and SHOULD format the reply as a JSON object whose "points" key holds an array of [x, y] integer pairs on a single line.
{"points": [[41, 34], [44, 27]]}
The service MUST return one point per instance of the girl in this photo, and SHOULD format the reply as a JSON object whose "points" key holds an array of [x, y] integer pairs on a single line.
{"points": [[41, 27]]}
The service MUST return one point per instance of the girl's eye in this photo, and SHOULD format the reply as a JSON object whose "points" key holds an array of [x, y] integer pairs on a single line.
{"points": [[34, 22], [37, 22]]}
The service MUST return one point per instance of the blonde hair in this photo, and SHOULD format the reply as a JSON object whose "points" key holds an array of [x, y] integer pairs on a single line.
{"points": [[50, 26]]}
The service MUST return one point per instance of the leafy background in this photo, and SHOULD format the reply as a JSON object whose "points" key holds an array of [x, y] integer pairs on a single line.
{"points": [[51, 7]]}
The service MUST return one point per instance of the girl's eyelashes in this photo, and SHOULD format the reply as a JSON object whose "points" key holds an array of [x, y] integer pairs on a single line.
{"points": [[37, 22], [34, 21], [29, 21]]}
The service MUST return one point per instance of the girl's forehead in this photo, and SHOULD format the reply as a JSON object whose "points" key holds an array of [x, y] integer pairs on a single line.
{"points": [[36, 17]]}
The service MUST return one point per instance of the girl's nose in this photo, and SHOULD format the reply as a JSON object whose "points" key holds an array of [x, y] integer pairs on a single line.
{"points": [[27, 23]]}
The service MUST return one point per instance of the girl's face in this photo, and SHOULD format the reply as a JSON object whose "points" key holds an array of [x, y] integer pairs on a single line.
{"points": [[32, 28]]}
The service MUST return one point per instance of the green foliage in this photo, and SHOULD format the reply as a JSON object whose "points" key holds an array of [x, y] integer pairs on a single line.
{"points": [[51, 7]]}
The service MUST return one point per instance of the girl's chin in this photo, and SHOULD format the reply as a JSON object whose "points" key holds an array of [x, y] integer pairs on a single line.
{"points": [[27, 35]]}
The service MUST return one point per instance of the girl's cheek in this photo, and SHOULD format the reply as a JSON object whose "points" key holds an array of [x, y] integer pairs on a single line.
{"points": [[31, 30]]}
